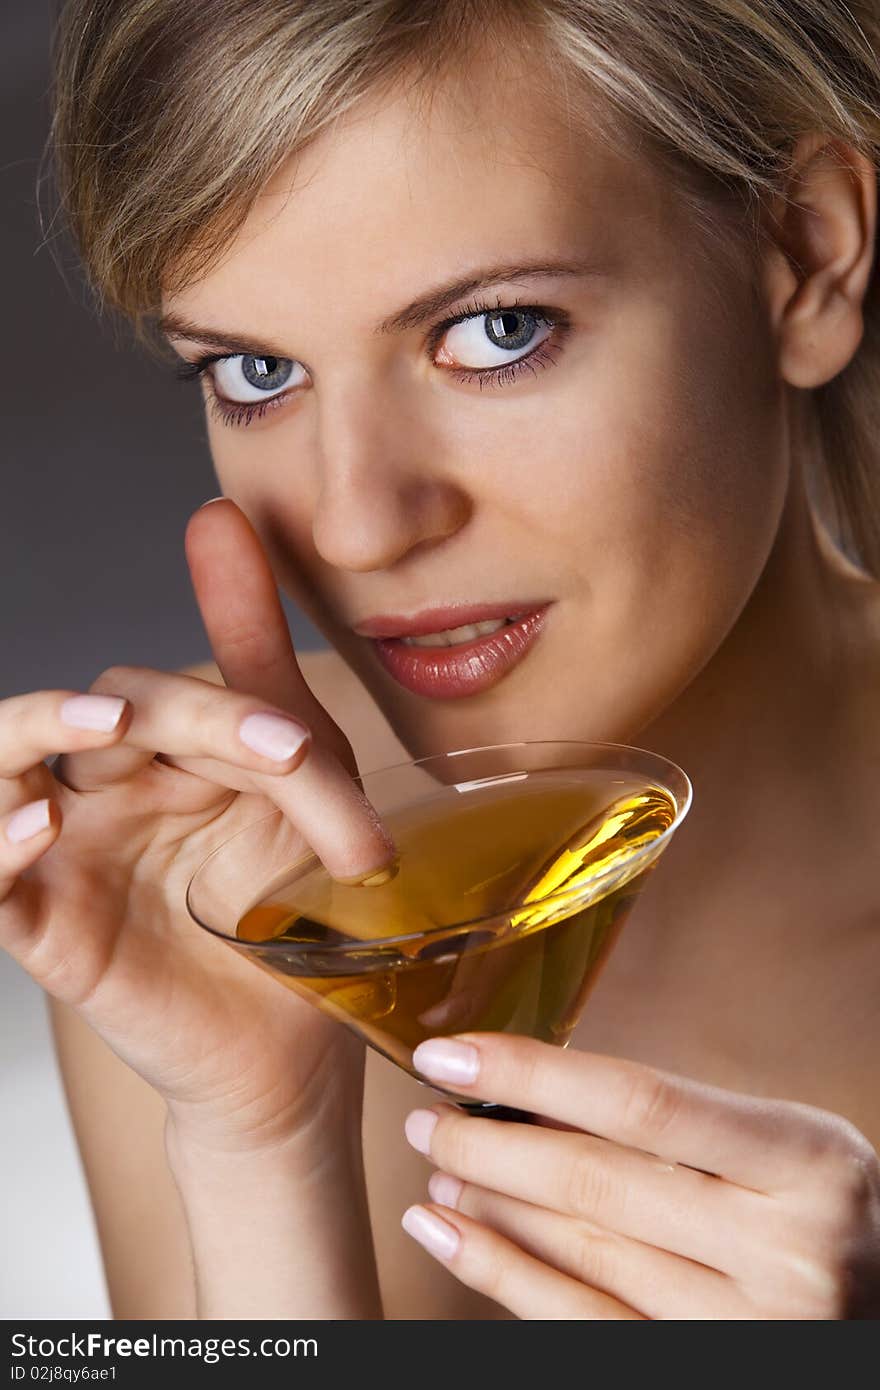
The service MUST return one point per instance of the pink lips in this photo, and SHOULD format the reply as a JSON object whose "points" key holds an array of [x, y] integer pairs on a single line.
{"points": [[465, 669], [443, 617]]}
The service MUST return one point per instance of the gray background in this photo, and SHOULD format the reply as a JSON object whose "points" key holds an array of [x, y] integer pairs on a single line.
{"points": [[103, 459]]}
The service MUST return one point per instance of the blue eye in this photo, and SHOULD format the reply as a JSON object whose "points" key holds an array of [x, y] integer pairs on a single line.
{"points": [[491, 339], [247, 377], [483, 344]]}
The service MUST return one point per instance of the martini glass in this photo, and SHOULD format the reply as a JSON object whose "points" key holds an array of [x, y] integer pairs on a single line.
{"points": [[518, 864]]}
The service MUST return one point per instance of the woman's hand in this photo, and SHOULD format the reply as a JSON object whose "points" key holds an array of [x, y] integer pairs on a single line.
{"points": [[92, 904], [640, 1194]]}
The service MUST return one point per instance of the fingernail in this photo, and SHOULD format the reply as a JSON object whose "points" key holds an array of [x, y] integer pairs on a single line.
{"points": [[418, 1128], [272, 736], [210, 500], [444, 1060], [373, 880], [437, 1236], [444, 1189], [30, 820], [101, 712], [376, 880]]}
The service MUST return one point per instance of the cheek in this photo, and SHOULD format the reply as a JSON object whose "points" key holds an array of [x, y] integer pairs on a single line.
{"points": [[264, 472], [246, 459], [660, 497], [256, 471], [693, 466], [659, 454]]}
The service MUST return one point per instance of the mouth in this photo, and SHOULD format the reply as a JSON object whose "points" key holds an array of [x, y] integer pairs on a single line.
{"points": [[457, 650]]}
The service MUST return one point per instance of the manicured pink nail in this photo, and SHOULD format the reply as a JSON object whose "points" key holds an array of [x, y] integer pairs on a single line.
{"points": [[272, 736], [30, 820], [444, 1060], [99, 712], [437, 1236], [418, 1128], [444, 1189]]}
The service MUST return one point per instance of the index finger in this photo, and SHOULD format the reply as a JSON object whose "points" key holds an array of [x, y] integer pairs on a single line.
{"points": [[250, 640], [246, 626], [680, 1120]]}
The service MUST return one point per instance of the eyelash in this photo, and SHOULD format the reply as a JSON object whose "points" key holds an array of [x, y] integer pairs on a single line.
{"points": [[238, 413]]}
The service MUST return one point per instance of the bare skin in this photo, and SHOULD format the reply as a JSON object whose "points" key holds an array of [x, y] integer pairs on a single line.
{"points": [[650, 482], [700, 609], [120, 1124]]}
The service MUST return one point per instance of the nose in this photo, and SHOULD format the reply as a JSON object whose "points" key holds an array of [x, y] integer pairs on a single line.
{"points": [[383, 488]]}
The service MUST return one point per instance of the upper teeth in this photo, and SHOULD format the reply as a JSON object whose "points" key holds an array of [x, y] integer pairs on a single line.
{"points": [[452, 635]]}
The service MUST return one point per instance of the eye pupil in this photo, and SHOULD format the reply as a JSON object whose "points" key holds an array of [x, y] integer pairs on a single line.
{"points": [[266, 373], [511, 328]]}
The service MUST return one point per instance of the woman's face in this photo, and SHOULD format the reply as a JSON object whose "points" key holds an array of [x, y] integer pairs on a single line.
{"points": [[630, 473]]}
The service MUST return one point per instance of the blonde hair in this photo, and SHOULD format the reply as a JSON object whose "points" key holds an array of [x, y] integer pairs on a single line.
{"points": [[170, 118]]}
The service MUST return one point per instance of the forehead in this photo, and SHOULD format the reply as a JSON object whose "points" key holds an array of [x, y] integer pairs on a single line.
{"points": [[404, 190]]}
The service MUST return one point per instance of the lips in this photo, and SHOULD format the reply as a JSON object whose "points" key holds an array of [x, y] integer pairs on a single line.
{"points": [[466, 668], [450, 615]]}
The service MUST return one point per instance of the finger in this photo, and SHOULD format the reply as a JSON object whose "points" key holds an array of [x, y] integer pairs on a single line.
{"points": [[317, 800], [488, 1262], [185, 716], [32, 785], [653, 1282], [634, 1194], [182, 716], [34, 726], [684, 1121], [245, 622], [250, 640], [23, 828], [25, 834]]}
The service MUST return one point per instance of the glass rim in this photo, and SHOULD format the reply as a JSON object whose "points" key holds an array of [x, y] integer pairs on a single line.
{"points": [[307, 948]]}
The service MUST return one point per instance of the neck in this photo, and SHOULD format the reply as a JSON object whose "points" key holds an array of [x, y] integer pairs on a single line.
{"points": [[777, 735]]}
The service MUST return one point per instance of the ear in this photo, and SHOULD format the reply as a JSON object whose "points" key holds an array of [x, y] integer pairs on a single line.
{"points": [[820, 254]]}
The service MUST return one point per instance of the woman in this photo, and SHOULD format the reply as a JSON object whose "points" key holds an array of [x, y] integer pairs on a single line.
{"points": [[497, 309]]}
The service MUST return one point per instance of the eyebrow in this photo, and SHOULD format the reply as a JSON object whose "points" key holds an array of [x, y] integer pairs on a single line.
{"points": [[427, 306], [419, 311]]}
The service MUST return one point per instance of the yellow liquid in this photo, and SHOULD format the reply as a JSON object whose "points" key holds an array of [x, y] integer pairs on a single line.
{"points": [[501, 919]]}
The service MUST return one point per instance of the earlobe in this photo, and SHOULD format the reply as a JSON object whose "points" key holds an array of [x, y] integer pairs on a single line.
{"points": [[819, 258]]}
